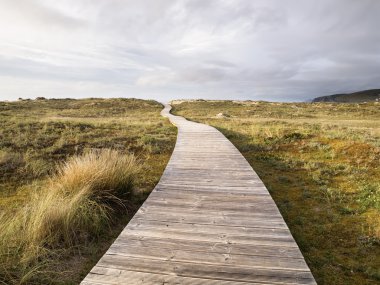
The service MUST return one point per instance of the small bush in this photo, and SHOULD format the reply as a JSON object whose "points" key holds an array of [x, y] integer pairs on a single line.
{"points": [[76, 205], [369, 196], [294, 136], [10, 161]]}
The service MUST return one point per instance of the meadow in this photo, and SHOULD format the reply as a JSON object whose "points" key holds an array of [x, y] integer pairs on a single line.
{"points": [[320, 163], [72, 173]]}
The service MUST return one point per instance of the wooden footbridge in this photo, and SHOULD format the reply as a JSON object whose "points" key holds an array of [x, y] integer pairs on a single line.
{"points": [[210, 220]]}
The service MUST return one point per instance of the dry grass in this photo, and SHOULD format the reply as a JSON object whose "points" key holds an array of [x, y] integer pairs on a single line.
{"points": [[77, 204]]}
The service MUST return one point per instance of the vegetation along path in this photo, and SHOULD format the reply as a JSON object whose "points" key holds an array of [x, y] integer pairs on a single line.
{"points": [[210, 220]]}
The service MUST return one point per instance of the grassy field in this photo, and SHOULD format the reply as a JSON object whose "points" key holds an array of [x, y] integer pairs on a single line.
{"points": [[72, 173], [320, 162]]}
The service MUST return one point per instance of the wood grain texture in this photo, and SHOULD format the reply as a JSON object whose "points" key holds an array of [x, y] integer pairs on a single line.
{"points": [[210, 220]]}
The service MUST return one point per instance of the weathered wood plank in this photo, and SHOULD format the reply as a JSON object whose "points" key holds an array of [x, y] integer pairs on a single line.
{"points": [[249, 232], [208, 257], [207, 271], [101, 275], [233, 248], [210, 220]]}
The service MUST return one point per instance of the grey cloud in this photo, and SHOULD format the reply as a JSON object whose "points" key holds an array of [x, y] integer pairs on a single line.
{"points": [[242, 49], [29, 69], [39, 13], [220, 63]]}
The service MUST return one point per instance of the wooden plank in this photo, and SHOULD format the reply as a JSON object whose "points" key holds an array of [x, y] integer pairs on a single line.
{"points": [[141, 224], [215, 258], [233, 248], [101, 275], [210, 220], [253, 241], [225, 209], [207, 271], [205, 219]]}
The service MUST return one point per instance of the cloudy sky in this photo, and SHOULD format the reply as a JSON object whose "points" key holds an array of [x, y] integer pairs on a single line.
{"points": [[287, 50]]}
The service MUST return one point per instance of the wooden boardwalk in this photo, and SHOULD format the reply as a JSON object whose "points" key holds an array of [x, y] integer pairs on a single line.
{"points": [[210, 220]]}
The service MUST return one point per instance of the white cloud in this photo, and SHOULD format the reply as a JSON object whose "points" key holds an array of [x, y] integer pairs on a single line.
{"points": [[259, 49]]}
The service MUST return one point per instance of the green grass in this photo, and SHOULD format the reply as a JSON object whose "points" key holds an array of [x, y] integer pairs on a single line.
{"points": [[73, 172], [320, 162]]}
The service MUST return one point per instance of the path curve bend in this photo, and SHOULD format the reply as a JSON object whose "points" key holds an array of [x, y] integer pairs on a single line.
{"points": [[210, 220]]}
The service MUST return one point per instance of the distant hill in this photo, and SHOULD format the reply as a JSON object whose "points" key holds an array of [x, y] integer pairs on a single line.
{"points": [[371, 95]]}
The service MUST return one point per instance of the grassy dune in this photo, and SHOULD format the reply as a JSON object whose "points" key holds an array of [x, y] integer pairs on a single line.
{"points": [[72, 173], [320, 163]]}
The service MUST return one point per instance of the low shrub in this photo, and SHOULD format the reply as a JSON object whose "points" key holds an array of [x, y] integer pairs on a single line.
{"points": [[75, 205]]}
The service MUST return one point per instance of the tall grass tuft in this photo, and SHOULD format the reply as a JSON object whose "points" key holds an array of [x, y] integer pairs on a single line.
{"points": [[77, 204]]}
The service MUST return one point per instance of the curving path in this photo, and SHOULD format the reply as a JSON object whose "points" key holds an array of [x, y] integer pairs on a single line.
{"points": [[210, 220]]}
